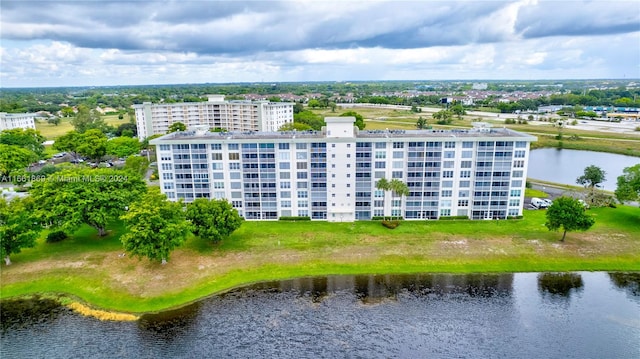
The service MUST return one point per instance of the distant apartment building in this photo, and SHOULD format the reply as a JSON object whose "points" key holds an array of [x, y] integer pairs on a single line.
{"points": [[10, 121], [332, 174], [154, 118]]}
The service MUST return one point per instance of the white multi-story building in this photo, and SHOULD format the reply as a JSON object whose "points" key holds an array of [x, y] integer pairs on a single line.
{"points": [[152, 119], [332, 174], [10, 121]]}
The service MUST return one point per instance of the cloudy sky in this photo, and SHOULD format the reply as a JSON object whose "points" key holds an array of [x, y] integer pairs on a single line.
{"points": [[85, 42]]}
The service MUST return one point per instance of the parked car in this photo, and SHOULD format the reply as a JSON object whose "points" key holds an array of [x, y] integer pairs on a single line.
{"points": [[547, 201], [539, 203]]}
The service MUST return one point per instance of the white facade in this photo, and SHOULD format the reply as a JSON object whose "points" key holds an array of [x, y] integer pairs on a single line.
{"points": [[332, 174], [10, 121], [267, 116]]}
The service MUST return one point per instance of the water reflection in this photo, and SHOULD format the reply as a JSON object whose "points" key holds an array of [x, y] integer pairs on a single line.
{"points": [[376, 288], [20, 313], [628, 282], [171, 324], [559, 285], [383, 316]]}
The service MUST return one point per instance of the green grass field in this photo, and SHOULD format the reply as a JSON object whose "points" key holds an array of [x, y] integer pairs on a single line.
{"points": [[51, 132], [92, 268]]}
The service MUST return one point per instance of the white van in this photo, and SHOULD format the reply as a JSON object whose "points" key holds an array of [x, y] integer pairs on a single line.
{"points": [[538, 203]]}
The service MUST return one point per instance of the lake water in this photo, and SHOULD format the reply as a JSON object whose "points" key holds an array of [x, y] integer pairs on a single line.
{"points": [[565, 166], [525, 315]]}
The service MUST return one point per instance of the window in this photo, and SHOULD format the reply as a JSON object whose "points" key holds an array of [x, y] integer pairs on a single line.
{"points": [[448, 164], [301, 175], [284, 156], [467, 154], [463, 203], [398, 145], [285, 175], [467, 144], [447, 174], [303, 194], [380, 164], [465, 174], [398, 154], [233, 147], [165, 147], [517, 183], [301, 155], [517, 174], [515, 193], [463, 193], [447, 193], [301, 165], [234, 166], [285, 204], [283, 146], [381, 145], [449, 144], [167, 176], [396, 174], [301, 146], [445, 212], [447, 184], [301, 184], [465, 164], [218, 156], [233, 156], [216, 146], [168, 185], [381, 154], [167, 166], [514, 203], [518, 164], [521, 144]]}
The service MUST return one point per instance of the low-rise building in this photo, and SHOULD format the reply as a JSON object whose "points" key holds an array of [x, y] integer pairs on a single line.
{"points": [[10, 121], [152, 119], [332, 174]]}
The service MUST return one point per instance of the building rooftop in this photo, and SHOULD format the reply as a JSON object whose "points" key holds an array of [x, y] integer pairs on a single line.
{"points": [[479, 130]]}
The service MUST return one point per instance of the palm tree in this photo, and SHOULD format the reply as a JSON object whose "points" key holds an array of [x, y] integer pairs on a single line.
{"points": [[384, 186], [399, 188]]}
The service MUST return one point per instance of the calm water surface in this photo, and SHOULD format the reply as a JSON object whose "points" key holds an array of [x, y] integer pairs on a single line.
{"points": [[529, 315], [565, 166]]}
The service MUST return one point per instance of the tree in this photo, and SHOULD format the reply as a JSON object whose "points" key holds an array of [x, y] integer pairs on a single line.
{"points": [[123, 146], [421, 124], [92, 144], [298, 126], [137, 165], [120, 131], [628, 184], [213, 220], [86, 196], [384, 186], [569, 214], [177, 126], [313, 103], [309, 118], [67, 111], [359, 119], [593, 176], [443, 117], [14, 158], [399, 189], [25, 138], [68, 142], [19, 226], [54, 120], [155, 226], [89, 119], [458, 110]]}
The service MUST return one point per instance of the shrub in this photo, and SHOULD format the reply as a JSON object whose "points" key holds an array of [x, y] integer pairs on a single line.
{"points": [[450, 218], [391, 224], [294, 218], [56, 236]]}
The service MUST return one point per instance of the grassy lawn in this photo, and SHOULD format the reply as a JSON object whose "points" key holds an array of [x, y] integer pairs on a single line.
{"points": [[51, 132], [93, 269]]}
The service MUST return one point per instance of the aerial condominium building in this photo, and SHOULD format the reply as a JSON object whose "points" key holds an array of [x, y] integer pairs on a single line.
{"points": [[152, 118], [332, 174], [10, 121]]}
